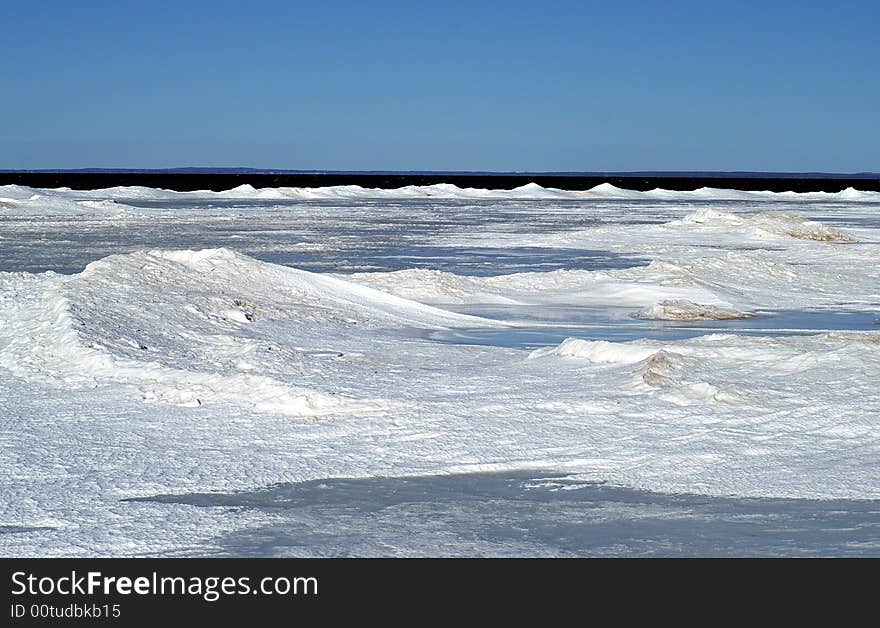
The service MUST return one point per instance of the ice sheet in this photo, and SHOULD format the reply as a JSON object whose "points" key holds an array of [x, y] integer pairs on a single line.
{"points": [[172, 356]]}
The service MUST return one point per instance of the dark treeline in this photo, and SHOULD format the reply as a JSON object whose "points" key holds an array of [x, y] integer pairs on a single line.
{"points": [[224, 180]]}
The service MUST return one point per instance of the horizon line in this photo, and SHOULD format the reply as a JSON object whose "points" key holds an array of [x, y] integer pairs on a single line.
{"points": [[561, 173]]}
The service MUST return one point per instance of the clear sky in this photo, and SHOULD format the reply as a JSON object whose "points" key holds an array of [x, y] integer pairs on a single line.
{"points": [[505, 85]]}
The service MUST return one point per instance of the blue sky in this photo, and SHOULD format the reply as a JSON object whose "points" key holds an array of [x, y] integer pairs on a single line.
{"points": [[549, 86]]}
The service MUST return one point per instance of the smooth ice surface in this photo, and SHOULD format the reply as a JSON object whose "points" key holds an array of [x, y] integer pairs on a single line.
{"points": [[718, 344], [515, 514]]}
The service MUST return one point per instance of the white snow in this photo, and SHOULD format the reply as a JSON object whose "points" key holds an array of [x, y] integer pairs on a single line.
{"points": [[683, 310], [530, 191], [582, 287], [766, 225], [171, 368], [598, 351]]}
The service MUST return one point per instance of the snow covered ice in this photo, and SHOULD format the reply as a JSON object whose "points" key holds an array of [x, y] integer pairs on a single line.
{"points": [[158, 346]]}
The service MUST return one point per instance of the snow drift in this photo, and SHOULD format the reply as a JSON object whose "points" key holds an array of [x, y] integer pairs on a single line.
{"points": [[767, 224], [683, 310], [170, 370], [174, 325], [440, 191]]}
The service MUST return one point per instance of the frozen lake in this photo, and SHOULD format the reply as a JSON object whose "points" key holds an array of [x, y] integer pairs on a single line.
{"points": [[519, 514], [435, 371]]}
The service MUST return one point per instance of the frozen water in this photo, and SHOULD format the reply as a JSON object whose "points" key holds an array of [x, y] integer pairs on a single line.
{"points": [[515, 514], [313, 235], [212, 344], [535, 330]]}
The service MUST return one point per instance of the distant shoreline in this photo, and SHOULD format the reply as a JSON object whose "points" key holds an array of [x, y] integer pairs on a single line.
{"points": [[218, 179]]}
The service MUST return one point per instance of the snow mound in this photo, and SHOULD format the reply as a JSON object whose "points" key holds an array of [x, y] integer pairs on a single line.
{"points": [[45, 339], [422, 284], [16, 192], [196, 327], [680, 381], [659, 368], [311, 294], [529, 191], [758, 280], [680, 373], [718, 194], [855, 336], [108, 204], [598, 351], [61, 204], [606, 190], [768, 223], [683, 310], [630, 288]]}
